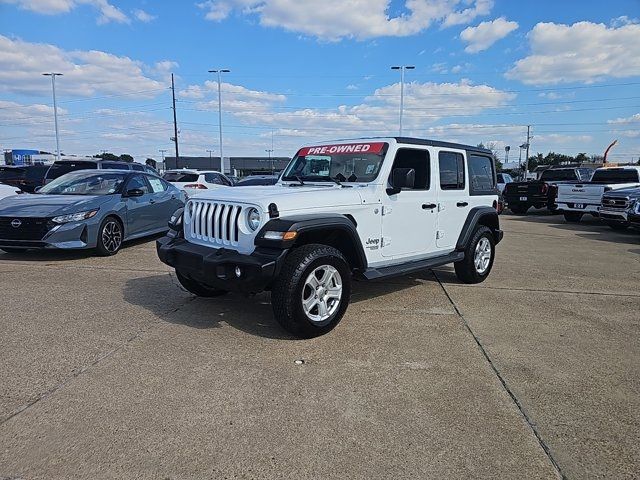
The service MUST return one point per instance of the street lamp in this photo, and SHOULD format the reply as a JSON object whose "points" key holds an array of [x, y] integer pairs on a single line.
{"points": [[53, 76], [218, 72], [270, 151], [402, 68]]}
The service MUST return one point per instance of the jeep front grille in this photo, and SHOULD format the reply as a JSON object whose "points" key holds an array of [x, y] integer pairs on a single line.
{"points": [[615, 203], [212, 222]]}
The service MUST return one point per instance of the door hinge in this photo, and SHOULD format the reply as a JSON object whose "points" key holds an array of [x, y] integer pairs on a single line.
{"points": [[386, 210], [439, 235]]}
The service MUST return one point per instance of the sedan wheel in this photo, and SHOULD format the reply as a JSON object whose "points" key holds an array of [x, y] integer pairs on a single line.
{"points": [[109, 237]]}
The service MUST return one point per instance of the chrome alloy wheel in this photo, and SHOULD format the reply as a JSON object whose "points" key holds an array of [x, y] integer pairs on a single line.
{"points": [[112, 236], [482, 255], [322, 293]]}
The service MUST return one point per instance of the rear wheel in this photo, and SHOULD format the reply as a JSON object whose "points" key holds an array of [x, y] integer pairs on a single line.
{"points": [[519, 209], [573, 217], [197, 288], [618, 225], [478, 257], [312, 291], [110, 236]]}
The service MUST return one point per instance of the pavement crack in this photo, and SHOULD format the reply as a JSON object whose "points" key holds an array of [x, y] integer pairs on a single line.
{"points": [[542, 290], [503, 382]]}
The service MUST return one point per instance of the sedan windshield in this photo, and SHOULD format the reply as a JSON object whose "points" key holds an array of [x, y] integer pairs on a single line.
{"points": [[85, 183], [343, 163]]}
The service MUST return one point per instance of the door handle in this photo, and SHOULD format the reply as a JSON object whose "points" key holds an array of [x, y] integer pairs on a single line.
{"points": [[152, 201], [462, 204], [428, 206]]}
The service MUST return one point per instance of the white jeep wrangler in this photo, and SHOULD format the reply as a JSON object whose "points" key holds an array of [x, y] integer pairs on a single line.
{"points": [[364, 209]]}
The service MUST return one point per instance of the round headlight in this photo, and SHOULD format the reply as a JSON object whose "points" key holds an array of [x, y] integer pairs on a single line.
{"points": [[253, 218]]}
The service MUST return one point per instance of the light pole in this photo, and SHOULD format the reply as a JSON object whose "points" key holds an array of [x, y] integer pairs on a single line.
{"points": [[402, 68], [219, 71], [506, 153], [270, 151], [53, 76]]}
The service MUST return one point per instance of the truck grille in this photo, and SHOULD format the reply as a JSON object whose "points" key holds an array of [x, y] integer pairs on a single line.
{"points": [[212, 222], [24, 228], [615, 203]]}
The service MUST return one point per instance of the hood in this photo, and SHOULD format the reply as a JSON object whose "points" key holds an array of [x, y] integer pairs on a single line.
{"points": [[630, 192], [38, 205], [286, 197]]}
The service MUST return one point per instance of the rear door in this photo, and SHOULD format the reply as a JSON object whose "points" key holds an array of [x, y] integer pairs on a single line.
{"points": [[453, 197], [164, 202]]}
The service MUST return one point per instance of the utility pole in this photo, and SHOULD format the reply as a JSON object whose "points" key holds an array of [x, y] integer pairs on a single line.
{"points": [[526, 160], [219, 71], [210, 152], [175, 119], [402, 68], [53, 76]]}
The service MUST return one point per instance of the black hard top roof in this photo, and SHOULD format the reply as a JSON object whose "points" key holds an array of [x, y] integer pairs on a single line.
{"points": [[437, 143]]}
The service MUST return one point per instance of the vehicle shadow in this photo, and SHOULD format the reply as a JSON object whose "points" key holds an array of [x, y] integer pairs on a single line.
{"points": [[67, 255], [248, 313]]}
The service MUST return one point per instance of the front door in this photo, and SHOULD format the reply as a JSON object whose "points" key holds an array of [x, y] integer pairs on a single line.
{"points": [[409, 217], [139, 214], [453, 198]]}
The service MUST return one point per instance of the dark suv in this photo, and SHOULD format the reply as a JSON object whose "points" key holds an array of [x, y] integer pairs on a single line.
{"points": [[27, 178], [60, 167]]}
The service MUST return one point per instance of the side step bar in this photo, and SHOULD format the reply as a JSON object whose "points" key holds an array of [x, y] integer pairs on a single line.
{"points": [[409, 267]]}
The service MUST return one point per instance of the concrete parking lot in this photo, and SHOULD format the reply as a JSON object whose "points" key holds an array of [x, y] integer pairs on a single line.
{"points": [[108, 369]]}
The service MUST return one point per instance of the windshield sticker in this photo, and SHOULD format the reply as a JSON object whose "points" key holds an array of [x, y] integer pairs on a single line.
{"points": [[342, 149]]}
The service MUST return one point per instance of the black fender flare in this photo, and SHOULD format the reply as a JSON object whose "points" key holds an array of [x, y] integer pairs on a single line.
{"points": [[479, 216], [303, 224]]}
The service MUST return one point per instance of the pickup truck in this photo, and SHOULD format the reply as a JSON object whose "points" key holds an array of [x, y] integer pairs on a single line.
{"points": [[576, 199], [520, 196], [619, 207]]}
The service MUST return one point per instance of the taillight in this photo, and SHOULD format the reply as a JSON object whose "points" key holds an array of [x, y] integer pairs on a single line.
{"points": [[197, 186]]}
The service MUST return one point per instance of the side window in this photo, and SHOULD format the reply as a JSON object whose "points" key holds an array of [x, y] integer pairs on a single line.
{"points": [[451, 170], [225, 181], [137, 167], [213, 178], [138, 182], [481, 175], [111, 166], [156, 184], [419, 161]]}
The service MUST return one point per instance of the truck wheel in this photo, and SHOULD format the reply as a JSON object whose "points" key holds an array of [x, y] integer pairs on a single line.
{"points": [[573, 217], [312, 291], [618, 225], [478, 257], [519, 209], [197, 288]]}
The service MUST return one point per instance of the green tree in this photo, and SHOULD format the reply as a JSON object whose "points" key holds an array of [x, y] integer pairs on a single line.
{"points": [[125, 157], [107, 156]]}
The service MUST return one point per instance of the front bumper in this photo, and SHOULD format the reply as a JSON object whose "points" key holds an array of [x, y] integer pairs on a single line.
{"points": [[66, 236], [218, 267], [611, 214]]}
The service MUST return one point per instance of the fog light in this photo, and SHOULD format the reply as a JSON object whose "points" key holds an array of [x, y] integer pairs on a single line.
{"points": [[238, 272]]}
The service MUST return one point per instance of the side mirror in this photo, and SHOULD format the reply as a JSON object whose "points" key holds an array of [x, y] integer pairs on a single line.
{"points": [[37, 189], [401, 178], [134, 192]]}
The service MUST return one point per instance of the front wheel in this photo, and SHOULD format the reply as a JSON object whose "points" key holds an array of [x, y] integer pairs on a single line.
{"points": [[573, 217], [110, 236], [197, 288], [478, 257], [312, 291]]}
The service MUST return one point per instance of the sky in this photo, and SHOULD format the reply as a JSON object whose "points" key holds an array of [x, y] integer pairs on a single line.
{"points": [[304, 71]]}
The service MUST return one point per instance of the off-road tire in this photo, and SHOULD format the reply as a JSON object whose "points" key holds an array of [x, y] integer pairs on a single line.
{"points": [[573, 217], [103, 249], [519, 209], [287, 291], [466, 269], [618, 225], [197, 288]]}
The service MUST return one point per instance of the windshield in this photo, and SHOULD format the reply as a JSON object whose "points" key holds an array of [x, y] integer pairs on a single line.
{"points": [[83, 183], [359, 162], [562, 174], [180, 177], [60, 168], [615, 175]]}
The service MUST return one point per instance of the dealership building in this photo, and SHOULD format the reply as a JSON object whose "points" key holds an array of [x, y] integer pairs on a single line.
{"points": [[240, 166]]}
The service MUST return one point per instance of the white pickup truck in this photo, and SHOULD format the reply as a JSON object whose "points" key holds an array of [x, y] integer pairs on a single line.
{"points": [[574, 200]]}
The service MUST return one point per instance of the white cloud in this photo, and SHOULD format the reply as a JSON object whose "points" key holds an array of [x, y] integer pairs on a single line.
{"points": [[86, 72], [486, 34], [360, 19], [143, 16], [632, 119], [623, 20], [583, 52], [108, 12], [352, 86]]}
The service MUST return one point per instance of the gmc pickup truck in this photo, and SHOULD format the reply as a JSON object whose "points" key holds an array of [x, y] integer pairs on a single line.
{"points": [[575, 200], [620, 207], [520, 196]]}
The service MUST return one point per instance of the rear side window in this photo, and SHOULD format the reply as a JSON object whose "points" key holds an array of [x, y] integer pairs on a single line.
{"points": [[615, 175], [481, 175], [451, 170], [216, 178], [559, 174], [180, 177], [114, 166], [60, 168], [137, 167]]}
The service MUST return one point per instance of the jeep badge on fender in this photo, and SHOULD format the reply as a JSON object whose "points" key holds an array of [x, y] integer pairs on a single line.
{"points": [[362, 209]]}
